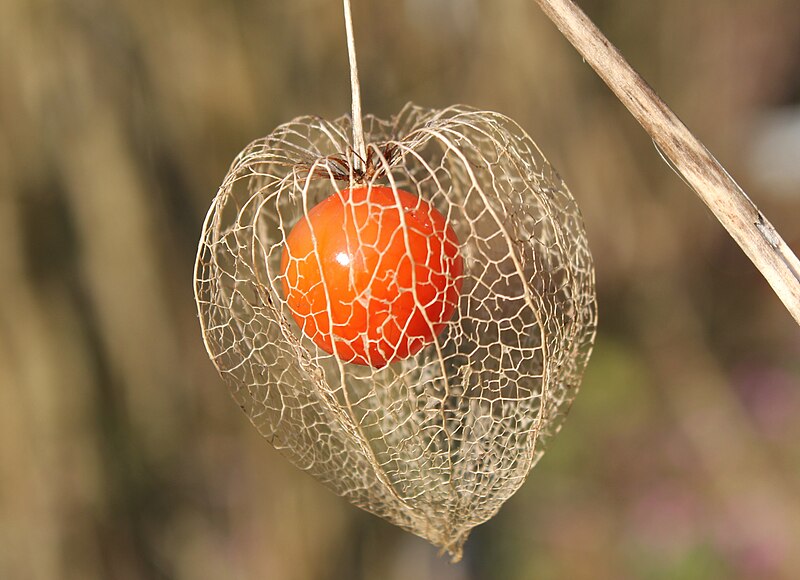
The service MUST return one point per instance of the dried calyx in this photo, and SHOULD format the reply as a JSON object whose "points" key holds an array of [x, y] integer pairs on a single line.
{"points": [[436, 442], [352, 168]]}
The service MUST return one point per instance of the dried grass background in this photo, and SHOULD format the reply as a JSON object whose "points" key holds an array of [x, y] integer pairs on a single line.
{"points": [[121, 453]]}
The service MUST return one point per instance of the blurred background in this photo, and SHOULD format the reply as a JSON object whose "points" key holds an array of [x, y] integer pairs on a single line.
{"points": [[123, 457]]}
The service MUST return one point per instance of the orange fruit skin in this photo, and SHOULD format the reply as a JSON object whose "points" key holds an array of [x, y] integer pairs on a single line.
{"points": [[372, 275]]}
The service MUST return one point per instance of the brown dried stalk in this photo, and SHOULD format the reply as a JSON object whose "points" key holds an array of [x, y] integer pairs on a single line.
{"points": [[359, 145], [726, 199]]}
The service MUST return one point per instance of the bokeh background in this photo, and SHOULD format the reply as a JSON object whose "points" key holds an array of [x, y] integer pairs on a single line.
{"points": [[123, 457]]}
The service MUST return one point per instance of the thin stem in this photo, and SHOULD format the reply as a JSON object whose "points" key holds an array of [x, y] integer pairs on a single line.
{"points": [[729, 203], [359, 145]]}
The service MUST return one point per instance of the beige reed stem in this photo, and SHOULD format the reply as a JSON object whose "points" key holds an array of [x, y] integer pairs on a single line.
{"points": [[359, 146], [729, 203]]}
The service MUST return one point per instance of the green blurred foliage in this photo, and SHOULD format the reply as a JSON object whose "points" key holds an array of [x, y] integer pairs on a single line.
{"points": [[122, 456]]}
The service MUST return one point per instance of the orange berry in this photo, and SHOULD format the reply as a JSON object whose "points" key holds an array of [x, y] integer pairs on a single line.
{"points": [[375, 272]]}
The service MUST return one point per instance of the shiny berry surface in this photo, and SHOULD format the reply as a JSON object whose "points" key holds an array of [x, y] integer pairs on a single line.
{"points": [[372, 274]]}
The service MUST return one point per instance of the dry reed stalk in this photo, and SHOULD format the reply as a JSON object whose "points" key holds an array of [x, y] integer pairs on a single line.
{"points": [[712, 183]]}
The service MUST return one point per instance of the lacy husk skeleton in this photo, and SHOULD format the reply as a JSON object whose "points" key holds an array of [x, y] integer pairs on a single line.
{"points": [[437, 442]]}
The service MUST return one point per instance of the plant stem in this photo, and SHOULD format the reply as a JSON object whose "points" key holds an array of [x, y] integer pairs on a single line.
{"points": [[729, 203], [359, 145]]}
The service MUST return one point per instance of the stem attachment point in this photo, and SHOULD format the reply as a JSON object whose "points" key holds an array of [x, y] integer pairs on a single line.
{"points": [[359, 144]]}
